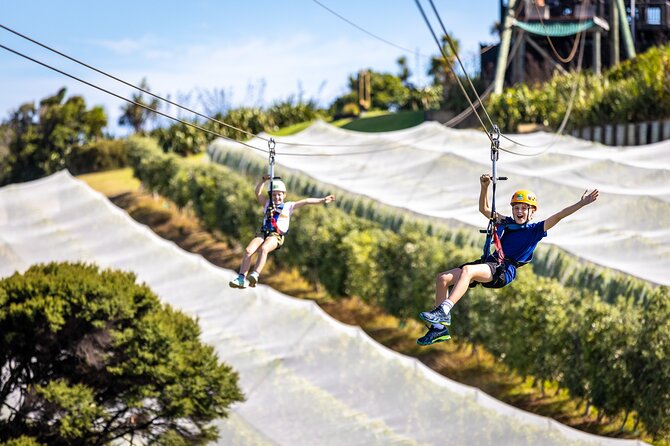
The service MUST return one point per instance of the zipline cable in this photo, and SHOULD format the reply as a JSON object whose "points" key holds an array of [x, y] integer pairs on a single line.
{"points": [[360, 28], [460, 84], [195, 126], [209, 118], [122, 81], [455, 51], [467, 111], [126, 99]]}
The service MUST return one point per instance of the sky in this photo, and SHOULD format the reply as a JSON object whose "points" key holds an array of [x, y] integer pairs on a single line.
{"points": [[255, 51]]}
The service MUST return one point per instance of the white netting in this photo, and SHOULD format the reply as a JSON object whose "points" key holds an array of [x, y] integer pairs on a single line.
{"points": [[308, 379], [433, 170]]}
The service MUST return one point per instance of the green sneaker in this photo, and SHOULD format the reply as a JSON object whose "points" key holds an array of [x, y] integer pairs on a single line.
{"points": [[434, 335], [238, 282]]}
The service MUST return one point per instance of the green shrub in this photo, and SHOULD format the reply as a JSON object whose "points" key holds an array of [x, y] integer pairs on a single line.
{"points": [[634, 91], [94, 356], [105, 154]]}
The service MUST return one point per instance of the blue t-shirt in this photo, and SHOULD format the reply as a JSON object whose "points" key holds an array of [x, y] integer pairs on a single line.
{"points": [[519, 244]]}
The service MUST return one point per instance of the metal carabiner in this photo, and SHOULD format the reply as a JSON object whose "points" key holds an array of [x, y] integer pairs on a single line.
{"points": [[271, 150], [495, 142]]}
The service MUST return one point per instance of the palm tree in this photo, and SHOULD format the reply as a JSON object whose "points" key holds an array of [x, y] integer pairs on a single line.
{"points": [[136, 116]]}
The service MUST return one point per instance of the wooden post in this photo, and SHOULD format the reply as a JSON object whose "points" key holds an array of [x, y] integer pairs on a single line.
{"points": [[503, 51], [614, 34]]}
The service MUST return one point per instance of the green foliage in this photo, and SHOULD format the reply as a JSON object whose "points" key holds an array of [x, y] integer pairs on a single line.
{"points": [[634, 91], [89, 356], [589, 345], [21, 441], [42, 139], [181, 139], [292, 111], [138, 113], [345, 106], [250, 119], [387, 92], [362, 254], [454, 98], [649, 363], [103, 154]]}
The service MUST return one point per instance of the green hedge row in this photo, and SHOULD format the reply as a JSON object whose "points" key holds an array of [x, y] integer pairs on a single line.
{"points": [[614, 355], [636, 90], [548, 261]]}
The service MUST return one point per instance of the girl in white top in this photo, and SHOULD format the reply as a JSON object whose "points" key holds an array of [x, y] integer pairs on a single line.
{"points": [[275, 225]]}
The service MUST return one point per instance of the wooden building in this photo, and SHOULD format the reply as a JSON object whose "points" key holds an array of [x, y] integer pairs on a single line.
{"points": [[538, 37]]}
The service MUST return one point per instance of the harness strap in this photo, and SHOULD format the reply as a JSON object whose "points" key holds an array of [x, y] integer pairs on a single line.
{"points": [[270, 221]]}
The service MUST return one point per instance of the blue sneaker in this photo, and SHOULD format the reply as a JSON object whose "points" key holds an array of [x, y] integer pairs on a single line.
{"points": [[436, 316], [238, 282], [434, 335]]}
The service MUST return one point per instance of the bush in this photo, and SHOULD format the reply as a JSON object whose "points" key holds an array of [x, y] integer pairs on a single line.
{"points": [[101, 155], [636, 90], [91, 355]]}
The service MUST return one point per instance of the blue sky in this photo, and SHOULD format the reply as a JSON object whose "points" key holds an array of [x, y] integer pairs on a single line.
{"points": [[256, 51]]}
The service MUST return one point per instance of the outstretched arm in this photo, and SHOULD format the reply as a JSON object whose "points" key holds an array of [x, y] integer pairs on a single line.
{"points": [[261, 195], [587, 198], [325, 200]]}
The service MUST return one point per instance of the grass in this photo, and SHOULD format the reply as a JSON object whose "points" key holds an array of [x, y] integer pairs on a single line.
{"points": [[457, 360], [386, 122], [374, 121], [292, 129], [112, 182]]}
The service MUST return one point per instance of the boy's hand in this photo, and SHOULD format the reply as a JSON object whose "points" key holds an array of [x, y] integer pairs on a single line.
{"points": [[328, 199], [485, 179], [589, 197], [266, 177]]}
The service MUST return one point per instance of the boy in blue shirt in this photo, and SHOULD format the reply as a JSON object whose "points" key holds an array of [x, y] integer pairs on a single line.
{"points": [[518, 237]]}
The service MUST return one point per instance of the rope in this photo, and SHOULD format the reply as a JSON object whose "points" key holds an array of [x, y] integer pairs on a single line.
{"points": [[573, 51], [568, 111]]}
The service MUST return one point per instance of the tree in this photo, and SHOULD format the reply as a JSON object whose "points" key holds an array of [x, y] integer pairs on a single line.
{"points": [[649, 363], [440, 67], [88, 357], [405, 72], [41, 139], [137, 115]]}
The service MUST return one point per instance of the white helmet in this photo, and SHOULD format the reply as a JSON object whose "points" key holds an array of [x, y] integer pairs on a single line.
{"points": [[277, 185]]}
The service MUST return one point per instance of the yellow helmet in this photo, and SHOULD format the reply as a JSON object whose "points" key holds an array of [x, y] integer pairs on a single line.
{"points": [[524, 196]]}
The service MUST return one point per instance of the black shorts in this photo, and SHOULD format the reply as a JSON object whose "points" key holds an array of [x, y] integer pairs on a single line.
{"points": [[497, 271]]}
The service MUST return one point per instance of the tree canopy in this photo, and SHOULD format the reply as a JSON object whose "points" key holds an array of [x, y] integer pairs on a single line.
{"points": [[40, 139], [89, 356]]}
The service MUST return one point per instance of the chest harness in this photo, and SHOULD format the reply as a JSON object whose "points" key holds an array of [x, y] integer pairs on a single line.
{"points": [[272, 212]]}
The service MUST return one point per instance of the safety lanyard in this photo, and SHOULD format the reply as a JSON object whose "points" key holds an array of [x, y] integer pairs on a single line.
{"points": [[492, 228]]}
